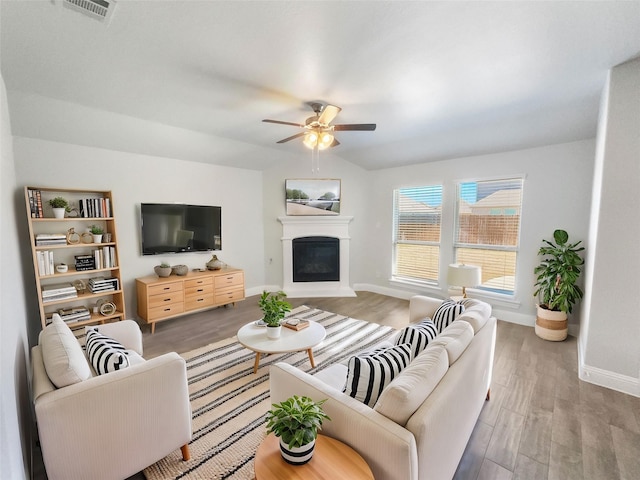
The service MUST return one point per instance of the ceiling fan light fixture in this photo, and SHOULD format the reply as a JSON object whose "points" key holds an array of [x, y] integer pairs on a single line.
{"points": [[319, 140], [325, 140], [310, 140]]}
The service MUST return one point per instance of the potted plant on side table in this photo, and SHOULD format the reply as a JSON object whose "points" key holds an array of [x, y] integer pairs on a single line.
{"points": [[274, 307], [556, 286], [296, 422]]}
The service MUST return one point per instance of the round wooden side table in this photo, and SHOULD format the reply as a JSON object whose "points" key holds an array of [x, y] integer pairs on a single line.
{"points": [[331, 459]]}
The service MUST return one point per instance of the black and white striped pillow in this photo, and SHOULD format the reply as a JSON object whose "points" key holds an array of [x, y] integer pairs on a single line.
{"points": [[105, 354], [446, 313], [370, 372], [418, 335]]}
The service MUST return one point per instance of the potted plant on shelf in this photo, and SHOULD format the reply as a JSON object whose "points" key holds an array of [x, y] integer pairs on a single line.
{"points": [[60, 206], [556, 286], [296, 422], [274, 307], [163, 270], [97, 232]]}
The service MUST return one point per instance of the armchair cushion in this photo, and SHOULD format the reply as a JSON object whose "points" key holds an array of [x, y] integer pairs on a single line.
{"points": [[62, 355], [105, 354]]}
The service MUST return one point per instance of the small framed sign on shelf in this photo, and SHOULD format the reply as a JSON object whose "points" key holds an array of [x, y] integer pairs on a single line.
{"points": [[312, 196]]}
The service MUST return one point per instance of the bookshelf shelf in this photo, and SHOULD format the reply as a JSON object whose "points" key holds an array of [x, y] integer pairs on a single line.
{"points": [[98, 204]]}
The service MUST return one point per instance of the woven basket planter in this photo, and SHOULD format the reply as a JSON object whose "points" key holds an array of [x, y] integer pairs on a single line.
{"points": [[551, 325]]}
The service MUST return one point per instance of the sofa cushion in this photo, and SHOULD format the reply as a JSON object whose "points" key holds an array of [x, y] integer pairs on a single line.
{"points": [[455, 339], [476, 312], [370, 373], [105, 354], [413, 385], [418, 335], [62, 355], [446, 314]]}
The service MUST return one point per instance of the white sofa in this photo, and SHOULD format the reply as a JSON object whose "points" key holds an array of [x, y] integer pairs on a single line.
{"points": [[108, 426], [430, 444]]}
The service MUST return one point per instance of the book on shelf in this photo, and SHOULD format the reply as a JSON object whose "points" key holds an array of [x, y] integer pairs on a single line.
{"points": [[296, 323], [101, 284], [71, 315], [95, 207], [45, 262], [44, 239], [58, 291]]}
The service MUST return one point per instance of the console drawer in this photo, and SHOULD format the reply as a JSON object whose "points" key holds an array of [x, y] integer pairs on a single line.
{"points": [[166, 299], [193, 302], [165, 311], [229, 296], [229, 280], [164, 288]]}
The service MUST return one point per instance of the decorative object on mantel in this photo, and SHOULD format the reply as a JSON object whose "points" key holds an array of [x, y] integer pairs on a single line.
{"points": [[461, 275], [274, 307], [296, 422], [162, 270], [215, 263], [311, 196], [556, 286], [180, 270], [60, 206]]}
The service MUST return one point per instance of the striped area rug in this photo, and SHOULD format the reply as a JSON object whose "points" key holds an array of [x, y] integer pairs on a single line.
{"points": [[229, 402]]}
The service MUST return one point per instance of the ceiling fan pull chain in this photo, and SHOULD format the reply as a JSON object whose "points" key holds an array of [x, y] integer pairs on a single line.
{"points": [[315, 160]]}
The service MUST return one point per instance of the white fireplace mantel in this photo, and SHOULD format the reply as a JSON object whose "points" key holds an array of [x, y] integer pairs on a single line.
{"points": [[336, 226]]}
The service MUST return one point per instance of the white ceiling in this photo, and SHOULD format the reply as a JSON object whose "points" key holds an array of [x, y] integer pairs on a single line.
{"points": [[194, 79]]}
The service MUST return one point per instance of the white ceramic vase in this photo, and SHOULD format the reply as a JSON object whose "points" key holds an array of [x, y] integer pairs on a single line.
{"points": [[97, 238], [59, 212]]}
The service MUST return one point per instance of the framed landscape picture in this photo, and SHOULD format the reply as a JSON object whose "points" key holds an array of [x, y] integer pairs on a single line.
{"points": [[312, 196]]}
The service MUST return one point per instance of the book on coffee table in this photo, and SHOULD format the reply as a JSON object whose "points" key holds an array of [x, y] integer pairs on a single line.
{"points": [[296, 323]]}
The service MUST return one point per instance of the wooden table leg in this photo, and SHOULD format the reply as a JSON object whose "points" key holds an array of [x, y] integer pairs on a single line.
{"points": [[256, 363], [313, 364]]}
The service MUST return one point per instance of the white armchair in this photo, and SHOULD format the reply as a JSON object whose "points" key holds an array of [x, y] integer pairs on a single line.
{"points": [[114, 425]]}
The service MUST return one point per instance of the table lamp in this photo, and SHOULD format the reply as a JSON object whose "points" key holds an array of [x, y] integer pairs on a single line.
{"points": [[461, 275]]}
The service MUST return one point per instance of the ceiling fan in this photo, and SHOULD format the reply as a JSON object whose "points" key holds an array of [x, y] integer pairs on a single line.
{"points": [[318, 130]]}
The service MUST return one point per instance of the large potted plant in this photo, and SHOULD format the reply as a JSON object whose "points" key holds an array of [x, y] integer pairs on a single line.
{"points": [[296, 422], [556, 286], [274, 307]]}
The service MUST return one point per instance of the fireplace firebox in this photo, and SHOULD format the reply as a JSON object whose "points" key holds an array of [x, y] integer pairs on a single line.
{"points": [[316, 259]]}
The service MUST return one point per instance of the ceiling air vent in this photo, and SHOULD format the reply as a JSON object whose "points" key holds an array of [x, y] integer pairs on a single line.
{"points": [[99, 9]]}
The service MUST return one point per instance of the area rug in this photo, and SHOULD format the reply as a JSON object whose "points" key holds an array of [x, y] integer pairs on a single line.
{"points": [[229, 401]]}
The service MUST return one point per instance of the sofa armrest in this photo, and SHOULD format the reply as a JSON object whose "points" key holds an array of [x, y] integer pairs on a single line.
{"points": [[125, 332], [421, 306], [143, 409], [388, 448]]}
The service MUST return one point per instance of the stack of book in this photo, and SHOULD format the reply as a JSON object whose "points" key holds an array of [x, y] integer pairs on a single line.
{"points": [[74, 314], [104, 257], [296, 323], [35, 203], [58, 291], [102, 284], [95, 207], [45, 262], [45, 239], [85, 262]]}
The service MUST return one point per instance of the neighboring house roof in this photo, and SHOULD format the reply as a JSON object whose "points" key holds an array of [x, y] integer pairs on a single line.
{"points": [[502, 199]]}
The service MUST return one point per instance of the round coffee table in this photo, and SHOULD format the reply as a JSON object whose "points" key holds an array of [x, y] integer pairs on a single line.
{"points": [[331, 459], [254, 337]]}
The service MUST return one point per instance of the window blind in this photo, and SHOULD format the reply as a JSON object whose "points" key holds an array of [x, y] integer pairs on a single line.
{"points": [[488, 230], [416, 220]]}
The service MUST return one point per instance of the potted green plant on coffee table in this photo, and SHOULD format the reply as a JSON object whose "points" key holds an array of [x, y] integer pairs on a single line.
{"points": [[274, 308], [296, 422], [556, 287]]}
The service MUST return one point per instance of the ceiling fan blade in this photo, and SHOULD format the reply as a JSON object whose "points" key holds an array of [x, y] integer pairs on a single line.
{"points": [[335, 143], [329, 112], [355, 126], [292, 137], [283, 123]]}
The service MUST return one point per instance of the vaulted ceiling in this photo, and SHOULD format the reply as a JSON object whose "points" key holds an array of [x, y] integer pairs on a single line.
{"points": [[194, 79]]}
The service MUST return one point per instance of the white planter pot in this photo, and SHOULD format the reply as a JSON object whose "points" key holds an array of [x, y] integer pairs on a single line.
{"points": [[59, 212], [273, 332], [297, 455], [97, 238], [551, 325]]}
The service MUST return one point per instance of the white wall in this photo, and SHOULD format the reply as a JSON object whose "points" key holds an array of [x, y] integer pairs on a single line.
{"points": [[15, 411], [608, 345], [557, 194], [135, 179]]}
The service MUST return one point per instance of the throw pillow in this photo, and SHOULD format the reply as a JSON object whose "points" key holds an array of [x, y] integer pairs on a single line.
{"points": [[446, 314], [62, 355], [369, 373], [418, 335], [105, 354], [415, 383]]}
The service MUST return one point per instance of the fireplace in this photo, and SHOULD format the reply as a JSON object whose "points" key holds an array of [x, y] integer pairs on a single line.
{"points": [[324, 241], [316, 259]]}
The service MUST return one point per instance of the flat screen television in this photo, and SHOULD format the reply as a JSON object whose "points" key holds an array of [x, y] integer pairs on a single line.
{"points": [[178, 228]]}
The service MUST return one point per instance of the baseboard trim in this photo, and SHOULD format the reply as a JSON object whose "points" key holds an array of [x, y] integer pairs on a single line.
{"points": [[605, 378]]}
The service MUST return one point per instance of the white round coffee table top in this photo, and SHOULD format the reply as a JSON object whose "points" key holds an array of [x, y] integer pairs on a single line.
{"points": [[254, 337]]}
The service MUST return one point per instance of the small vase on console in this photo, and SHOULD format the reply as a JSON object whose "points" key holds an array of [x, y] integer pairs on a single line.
{"points": [[214, 263]]}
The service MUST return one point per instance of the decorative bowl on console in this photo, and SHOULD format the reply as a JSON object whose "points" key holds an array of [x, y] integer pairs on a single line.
{"points": [[180, 270], [162, 270]]}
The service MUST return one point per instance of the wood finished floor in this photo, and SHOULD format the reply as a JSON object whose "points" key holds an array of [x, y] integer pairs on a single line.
{"points": [[542, 422]]}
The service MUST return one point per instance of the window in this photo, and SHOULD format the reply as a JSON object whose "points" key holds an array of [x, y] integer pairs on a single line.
{"points": [[488, 230], [416, 226]]}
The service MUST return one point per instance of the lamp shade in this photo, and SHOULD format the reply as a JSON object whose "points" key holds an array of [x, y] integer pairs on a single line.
{"points": [[461, 275]]}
